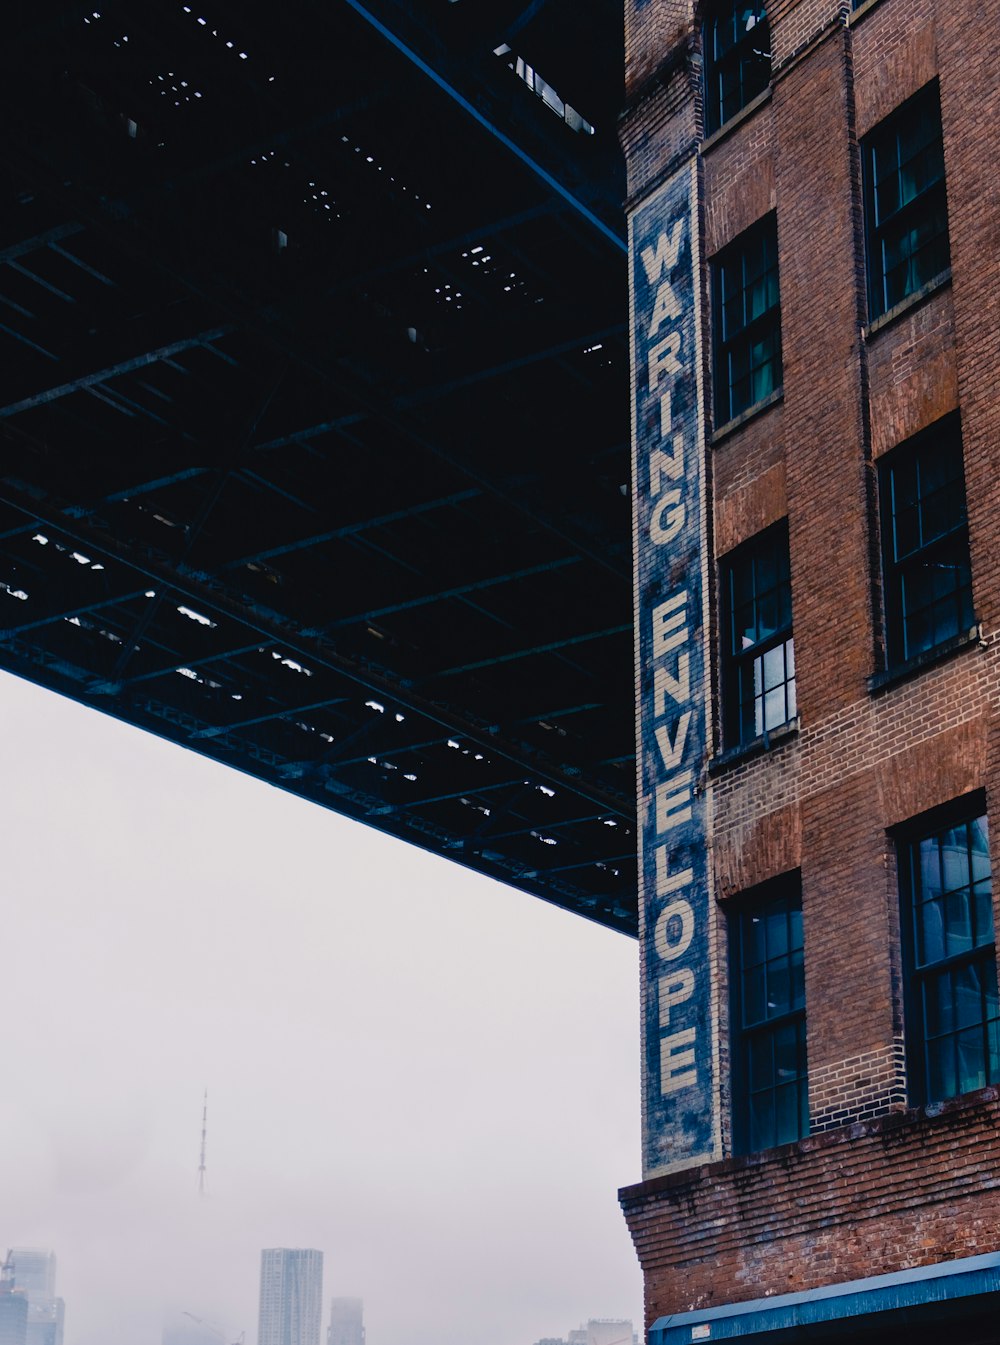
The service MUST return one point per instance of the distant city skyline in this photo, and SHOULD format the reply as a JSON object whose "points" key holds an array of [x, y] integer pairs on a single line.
{"points": [[290, 1308], [198, 928]]}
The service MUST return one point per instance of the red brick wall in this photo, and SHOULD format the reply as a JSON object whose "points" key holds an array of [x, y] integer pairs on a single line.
{"points": [[874, 1188], [895, 54], [739, 180], [907, 1190], [653, 28], [912, 372]]}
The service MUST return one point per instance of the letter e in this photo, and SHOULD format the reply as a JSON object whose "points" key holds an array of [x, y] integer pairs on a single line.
{"points": [[677, 1065]]}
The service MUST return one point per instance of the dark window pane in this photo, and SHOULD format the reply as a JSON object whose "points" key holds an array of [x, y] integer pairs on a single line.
{"points": [[971, 1060], [761, 1121], [993, 1047], [928, 575], [931, 882], [906, 213], [786, 1119], [776, 924], [779, 988], [931, 933], [758, 656], [755, 995], [747, 320], [761, 1062], [786, 1053], [939, 1005], [979, 850], [952, 1018], [755, 940], [798, 981], [941, 1077], [957, 923], [982, 899], [769, 1069], [968, 995], [737, 58]]}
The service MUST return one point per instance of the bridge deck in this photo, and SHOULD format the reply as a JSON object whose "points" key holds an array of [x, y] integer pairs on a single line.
{"points": [[313, 404]]}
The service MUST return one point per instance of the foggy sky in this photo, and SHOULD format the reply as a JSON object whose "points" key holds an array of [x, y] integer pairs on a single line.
{"points": [[431, 1077]]}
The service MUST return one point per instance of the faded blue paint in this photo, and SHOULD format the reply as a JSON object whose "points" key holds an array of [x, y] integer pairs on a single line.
{"points": [[680, 1112]]}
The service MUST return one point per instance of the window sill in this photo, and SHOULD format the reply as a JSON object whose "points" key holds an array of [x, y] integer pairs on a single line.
{"points": [[756, 747], [900, 672], [737, 119], [904, 305], [724, 431], [958, 1102]]}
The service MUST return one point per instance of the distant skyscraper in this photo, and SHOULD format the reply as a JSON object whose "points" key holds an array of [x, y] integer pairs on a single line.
{"points": [[34, 1272], [346, 1322], [291, 1296], [13, 1317]]}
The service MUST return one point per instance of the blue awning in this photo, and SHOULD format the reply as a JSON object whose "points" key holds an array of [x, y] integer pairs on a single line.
{"points": [[967, 1290]]}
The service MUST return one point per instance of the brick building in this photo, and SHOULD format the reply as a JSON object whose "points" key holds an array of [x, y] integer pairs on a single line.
{"points": [[814, 226]]}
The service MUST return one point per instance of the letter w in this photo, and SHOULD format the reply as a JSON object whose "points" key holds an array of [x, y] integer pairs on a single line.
{"points": [[665, 256]]}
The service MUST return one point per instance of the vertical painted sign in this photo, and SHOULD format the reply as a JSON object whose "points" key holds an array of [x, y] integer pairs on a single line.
{"points": [[680, 1104]]}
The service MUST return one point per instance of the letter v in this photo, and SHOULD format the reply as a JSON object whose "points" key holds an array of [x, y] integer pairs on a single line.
{"points": [[672, 752]]}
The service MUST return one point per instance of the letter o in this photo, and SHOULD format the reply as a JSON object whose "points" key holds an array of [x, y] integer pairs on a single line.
{"points": [[670, 501], [671, 949]]}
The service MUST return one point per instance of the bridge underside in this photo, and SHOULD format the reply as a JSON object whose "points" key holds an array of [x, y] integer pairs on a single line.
{"points": [[314, 408]]}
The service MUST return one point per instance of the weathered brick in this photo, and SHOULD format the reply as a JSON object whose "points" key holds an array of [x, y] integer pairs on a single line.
{"points": [[876, 1186]]}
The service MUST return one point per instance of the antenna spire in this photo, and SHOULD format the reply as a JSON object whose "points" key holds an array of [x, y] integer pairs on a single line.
{"points": [[204, 1129]]}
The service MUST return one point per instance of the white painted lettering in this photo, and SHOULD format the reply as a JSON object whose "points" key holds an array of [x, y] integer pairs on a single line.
{"points": [[673, 802], [668, 517], [673, 988], [667, 305], [666, 254], [676, 1065], [677, 688], [669, 629], [661, 465], [663, 359], [674, 929], [672, 753]]}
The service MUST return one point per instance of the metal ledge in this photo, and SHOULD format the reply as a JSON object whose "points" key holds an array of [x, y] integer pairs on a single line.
{"points": [[961, 1291]]}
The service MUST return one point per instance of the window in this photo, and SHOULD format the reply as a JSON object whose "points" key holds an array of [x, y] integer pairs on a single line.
{"points": [[953, 1022], [928, 577], [906, 214], [758, 686], [737, 58], [770, 1092], [747, 321]]}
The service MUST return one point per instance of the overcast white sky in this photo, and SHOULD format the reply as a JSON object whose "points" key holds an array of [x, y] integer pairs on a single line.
{"points": [[431, 1077]]}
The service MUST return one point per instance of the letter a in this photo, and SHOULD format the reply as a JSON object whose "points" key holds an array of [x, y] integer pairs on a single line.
{"points": [[667, 306]]}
